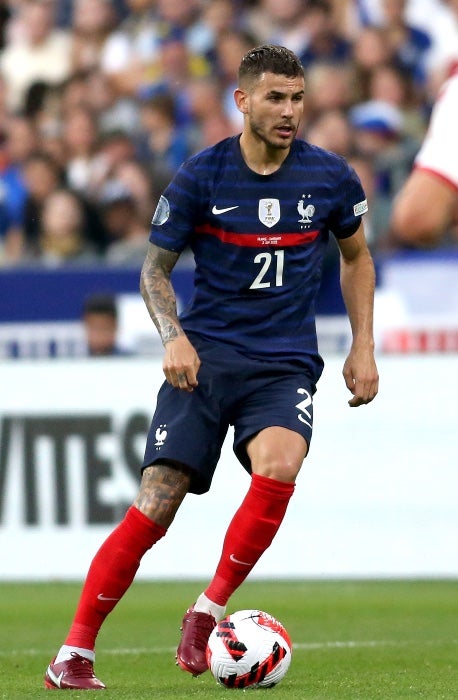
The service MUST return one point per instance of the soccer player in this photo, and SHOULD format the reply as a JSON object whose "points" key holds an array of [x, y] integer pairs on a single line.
{"points": [[427, 205], [257, 210]]}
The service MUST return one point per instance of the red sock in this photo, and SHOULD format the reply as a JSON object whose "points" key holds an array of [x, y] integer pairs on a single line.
{"points": [[110, 575], [249, 534]]}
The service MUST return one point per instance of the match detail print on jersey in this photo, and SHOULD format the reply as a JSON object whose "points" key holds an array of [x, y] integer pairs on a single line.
{"points": [[256, 240]]}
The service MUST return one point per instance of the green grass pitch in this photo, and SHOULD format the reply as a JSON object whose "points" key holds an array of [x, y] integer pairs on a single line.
{"points": [[351, 639]]}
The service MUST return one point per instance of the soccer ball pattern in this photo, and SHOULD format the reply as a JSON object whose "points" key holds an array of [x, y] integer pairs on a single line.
{"points": [[249, 648]]}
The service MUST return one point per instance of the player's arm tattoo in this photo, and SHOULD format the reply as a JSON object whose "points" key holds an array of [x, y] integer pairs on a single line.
{"points": [[157, 291]]}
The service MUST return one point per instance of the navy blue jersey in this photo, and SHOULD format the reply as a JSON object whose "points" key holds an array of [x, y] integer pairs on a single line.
{"points": [[258, 243]]}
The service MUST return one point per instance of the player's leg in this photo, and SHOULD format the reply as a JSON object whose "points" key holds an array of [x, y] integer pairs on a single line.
{"points": [[274, 455], [182, 432], [113, 568]]}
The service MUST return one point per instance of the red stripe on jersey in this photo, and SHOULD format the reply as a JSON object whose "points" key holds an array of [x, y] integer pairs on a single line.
{"points": [[258, 240]]}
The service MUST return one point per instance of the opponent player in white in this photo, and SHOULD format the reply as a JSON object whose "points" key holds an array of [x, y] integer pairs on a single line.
{"points": [[427, 205]]}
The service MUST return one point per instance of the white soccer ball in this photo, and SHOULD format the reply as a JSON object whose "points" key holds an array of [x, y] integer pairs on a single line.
{"points": [[249, 648]]}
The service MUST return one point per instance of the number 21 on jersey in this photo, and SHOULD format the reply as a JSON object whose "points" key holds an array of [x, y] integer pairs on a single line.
{"points": [[269, 264]]}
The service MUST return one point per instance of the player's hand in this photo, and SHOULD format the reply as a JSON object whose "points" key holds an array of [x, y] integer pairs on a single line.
{"points": [[361, 376], [181, 363]]}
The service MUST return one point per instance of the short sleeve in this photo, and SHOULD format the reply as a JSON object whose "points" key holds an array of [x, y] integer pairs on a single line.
{"points": [[351, 204], [177, 210]]}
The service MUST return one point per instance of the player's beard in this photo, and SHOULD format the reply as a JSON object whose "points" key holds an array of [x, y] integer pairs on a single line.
{"points": [[261, 133]]}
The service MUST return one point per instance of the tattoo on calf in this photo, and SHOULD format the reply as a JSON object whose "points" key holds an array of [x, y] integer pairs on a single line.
{"points": [[162, 491]]}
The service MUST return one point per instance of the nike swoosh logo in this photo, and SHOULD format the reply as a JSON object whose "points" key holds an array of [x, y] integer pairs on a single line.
{"points": [[237, 561], [103, 597], [217, 211], [55, 679]]}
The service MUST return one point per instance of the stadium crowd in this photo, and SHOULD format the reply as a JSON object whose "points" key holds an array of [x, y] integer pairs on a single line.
{"points": [[101, 101]]}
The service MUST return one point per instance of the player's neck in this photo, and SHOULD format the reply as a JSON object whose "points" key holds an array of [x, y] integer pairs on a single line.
{"points": [[259, 157]]}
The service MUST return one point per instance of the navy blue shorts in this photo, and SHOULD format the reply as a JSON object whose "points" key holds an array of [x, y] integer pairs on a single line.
{"points": [[190, 427]]}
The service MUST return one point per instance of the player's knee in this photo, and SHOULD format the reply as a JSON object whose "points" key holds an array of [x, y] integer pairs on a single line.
{"points": [[281, 467]]}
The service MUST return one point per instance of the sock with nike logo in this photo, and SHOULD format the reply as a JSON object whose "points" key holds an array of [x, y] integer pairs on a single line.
{"points": [[249, 534], [110, 575]]}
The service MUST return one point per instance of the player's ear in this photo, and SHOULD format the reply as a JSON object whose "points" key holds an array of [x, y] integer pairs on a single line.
{"points": [[241, 100]]}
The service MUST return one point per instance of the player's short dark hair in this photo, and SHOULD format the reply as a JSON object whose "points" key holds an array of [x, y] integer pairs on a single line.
{"points": [[269, 58], [100, 304]]}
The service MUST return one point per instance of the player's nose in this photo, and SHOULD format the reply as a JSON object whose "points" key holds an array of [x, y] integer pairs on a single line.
{"points": [[287, 109]]}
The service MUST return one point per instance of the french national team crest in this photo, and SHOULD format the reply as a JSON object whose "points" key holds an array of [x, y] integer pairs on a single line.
{"points": [[269, 212]]}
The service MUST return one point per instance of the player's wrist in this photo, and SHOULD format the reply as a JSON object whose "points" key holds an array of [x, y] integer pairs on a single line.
{"points": [[170, 334]]}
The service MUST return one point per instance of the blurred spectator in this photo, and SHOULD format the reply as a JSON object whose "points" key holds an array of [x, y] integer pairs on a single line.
{"points": [[179, 14], [330, 130], [72, 93], [42, 175], [136, 178], [328, 87], [379, 135], [371, 50], [388, 83], [350, 16], [127, 233], [113, 147], [64, 11], [216, 127], [174, 67], [232, 45], [92, 90], [410, 45], [62, 238], [92, 23], [203, 100], [165, 145], [100, 323], [215, 18], [132, 48], [325, 43], [279, 22], [114, 114], [85, 168], [38, 52], [20, 140], [376, 124]]}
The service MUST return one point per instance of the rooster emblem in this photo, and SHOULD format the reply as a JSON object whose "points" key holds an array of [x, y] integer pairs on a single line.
{"points": [[306, 212], [160, 436]]}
